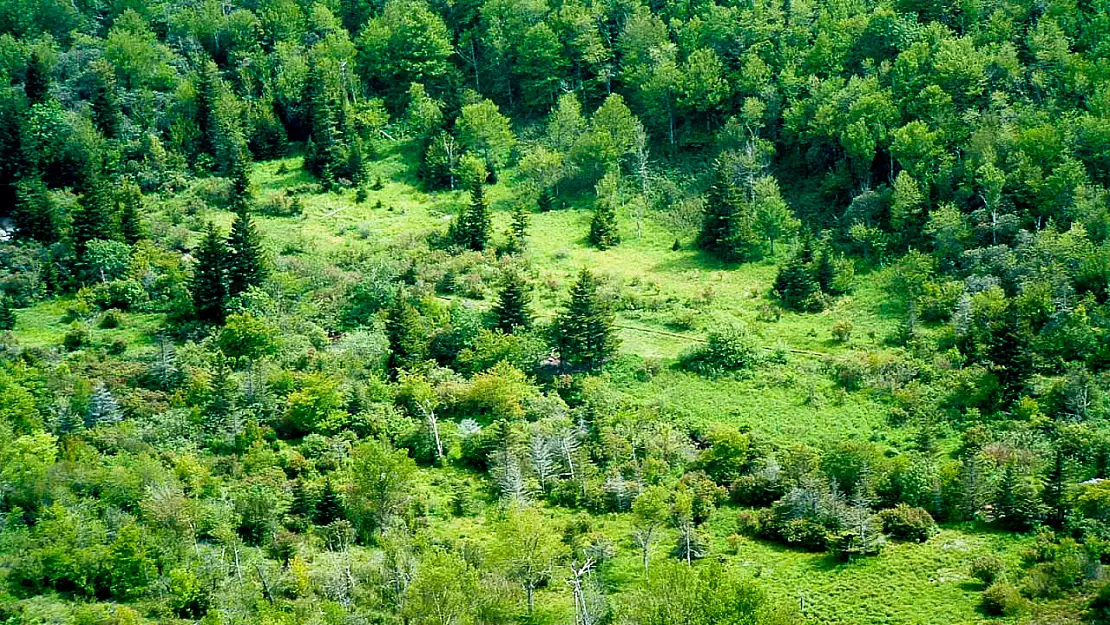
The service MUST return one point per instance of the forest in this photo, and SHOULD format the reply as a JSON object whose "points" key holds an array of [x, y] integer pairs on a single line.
{"points": [[583, 312]]}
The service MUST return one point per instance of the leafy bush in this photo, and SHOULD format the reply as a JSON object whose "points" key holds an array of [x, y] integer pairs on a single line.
{"points": [[76, 337], [111, 320], [908, 523], [988, 568], [842, 331], [725, 351], [1002, 599], [126, 294]]}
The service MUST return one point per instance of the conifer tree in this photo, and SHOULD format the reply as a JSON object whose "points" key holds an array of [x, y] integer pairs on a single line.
{"points": [[102, 98], [473, 224], [824, 271], [511, 311], [405, 330], [322, 154], [245, 263], [796, 287], [603, 227], [209, 86], [302, 505], [222, 392], [329, 508], [35, 214], [584, 331], [242, 194], [103, 407], [36, 81], [7, 314], [546, 200], [93, 217], [518, 230], [728, 230], [209, 284], [130, 199]]}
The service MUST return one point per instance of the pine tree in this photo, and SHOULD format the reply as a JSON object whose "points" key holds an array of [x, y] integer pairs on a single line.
{"points": [[303, 504], [728, 230], [102, 98], [405, 330], [93, 217], [356, 167], [103, 407], [825, 271], [546, 200], [222, 393], [323, 159], [36, 82], [511, 311], [518, 230], [796, 287], [329, 508], [209, 284], [7, 314], [209, 87], [245, 262], [130, 199], [603, 226], [242, 193], [473, 224], [1055, 493], [584, 331], [35, 214], [1015, 503]]}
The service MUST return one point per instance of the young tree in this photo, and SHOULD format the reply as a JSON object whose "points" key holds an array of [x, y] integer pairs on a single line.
{"points": [[329, 507], [472, 227], [37, 79], [209, 283], [130, 198], [245, 262], [773, 218], [584, 331], [603, 226], [511, 312], [517, 237], [223, 392], [7, 314], [380, 487], [102, 98], [93, 218], [728, 229], [486, 132], [103, 407], [36, 215], [528, 550], [650, 511], [408, 337]]}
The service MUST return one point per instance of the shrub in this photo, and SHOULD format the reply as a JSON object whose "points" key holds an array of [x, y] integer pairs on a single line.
{"points": [[842, 331], [988, 568], [804, 533], [361, 195], [76, 337], [111, 320], [1002, 599], [126, 294], [908, 523], [1098, 610], [117, 346], [725, 351]]}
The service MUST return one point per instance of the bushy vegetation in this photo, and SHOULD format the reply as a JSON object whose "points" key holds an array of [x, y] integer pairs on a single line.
{"points": [[510, 312]]}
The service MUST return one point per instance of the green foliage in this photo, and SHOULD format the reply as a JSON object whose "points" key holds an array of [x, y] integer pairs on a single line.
{"points": [[381, 486], [584, 330], [246, 265], [603, 227], [725, 351], [511, 313], [209, 284]]}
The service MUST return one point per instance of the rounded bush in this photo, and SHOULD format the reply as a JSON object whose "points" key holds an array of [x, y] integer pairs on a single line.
{"points": [[1002, 599]]}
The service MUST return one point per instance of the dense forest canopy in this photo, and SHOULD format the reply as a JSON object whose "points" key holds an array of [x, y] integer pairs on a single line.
{"points": [[369, 312]]}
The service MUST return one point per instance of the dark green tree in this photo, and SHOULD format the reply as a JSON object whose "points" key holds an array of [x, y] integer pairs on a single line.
{"points": [[603, 226], [408, 337], [584, 332], [246, 258], [1016, 504], [471, 229], [511, 310], [35, 214], [130, 198], [796, 287], [7, 314], [223, 391], [102, 99], [36, 81], [94, 217], [329, 507], [546, 200], [209, 284], [518, 230], [728, 230]]}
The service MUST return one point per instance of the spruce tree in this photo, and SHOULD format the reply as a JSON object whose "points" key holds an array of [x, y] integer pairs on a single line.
{"points": [[93, 217], [209, 87], [329, 508], [603, 227], [130, 199], [222, 393], [36, 81], [241, 190], [245, 261], [824, 270], [209, 284], [584, 331], [103, 407], [473, 224], [511, 311], [7, 314], [405, 329], [728, 230], [303, 506], [796, 287], [546, 200], [518, 230], [35, 214], [102, 99]]}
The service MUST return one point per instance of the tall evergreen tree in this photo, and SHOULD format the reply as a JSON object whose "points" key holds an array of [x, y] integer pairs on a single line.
{"points": [[102, 99], [35, 213], [93, 217], [405, 330], [796, 287], [7, 314], [323, 152], [584, 331], [103, 407], [329, 507], [36, 80], [511, 311], [245, 264], [209, 284], [130, 198], [518, 230], [603, 227], [471, 229], [241, 190], [222, 392], [209, 87], [728, 230]]}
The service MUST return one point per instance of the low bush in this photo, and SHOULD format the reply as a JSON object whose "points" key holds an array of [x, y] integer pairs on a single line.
{"points": [[725, 351], [1002, 599], [908, 523]]}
